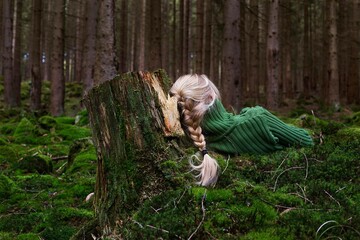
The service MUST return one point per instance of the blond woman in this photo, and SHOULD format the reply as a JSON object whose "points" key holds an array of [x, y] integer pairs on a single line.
{"points": [[205, 120]]}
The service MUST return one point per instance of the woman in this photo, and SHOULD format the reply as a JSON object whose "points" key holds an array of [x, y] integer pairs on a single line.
{"points": [[254, 130]]}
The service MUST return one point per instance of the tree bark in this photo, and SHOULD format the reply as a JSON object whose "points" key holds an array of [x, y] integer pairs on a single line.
{"points": [[231, 83], [273, 57], [353, 83], [7, 55], [35, 93], [57, 66], [199, 36], [333, 70], [17, 54], [154, 48], [105, 65], [131, 118], [89, 45]]}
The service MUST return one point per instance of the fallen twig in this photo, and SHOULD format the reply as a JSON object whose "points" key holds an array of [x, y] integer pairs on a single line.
{"points": [[332, 198], [283, 173], [203, 216]]}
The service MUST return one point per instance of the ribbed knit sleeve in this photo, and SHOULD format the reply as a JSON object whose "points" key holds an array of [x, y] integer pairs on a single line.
{"points": [[254, 130]]}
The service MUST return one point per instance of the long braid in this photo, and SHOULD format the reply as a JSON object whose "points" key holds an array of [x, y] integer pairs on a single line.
{"points": [[192, 112]]}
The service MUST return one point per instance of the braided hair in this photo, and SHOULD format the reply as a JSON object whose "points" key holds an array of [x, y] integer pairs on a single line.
{"points": [[195, 94]]}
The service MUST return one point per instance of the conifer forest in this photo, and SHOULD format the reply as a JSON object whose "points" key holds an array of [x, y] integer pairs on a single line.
{"points": [[85, 152]]}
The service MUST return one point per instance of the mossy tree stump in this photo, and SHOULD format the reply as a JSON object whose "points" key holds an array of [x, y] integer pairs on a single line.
{"points": [[133, 121]]}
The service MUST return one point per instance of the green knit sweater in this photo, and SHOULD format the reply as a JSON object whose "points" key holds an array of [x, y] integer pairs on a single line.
{"points": [[254, 130]]}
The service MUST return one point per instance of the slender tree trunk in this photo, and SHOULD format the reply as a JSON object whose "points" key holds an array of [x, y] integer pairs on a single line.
{"points": [[185, 41], [253, 78], [57, 66], [18, 52], [206, 57], [90, 44], [262, 16], [154, 57], [139, 33], [231, 82], [79, 40], [35, 94], [105, 43], [130, 121], [333, 71], [122, 46], [286, 53], [48, 27], [1, 37], [180, 46], [244, 50], [8, 12], [353, 84], [306, 53], [165, 35], [273, 57], [174, 49], [199, 30]]}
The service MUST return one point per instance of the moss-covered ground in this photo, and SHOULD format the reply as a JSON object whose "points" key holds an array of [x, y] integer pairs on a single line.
{"points": [[48, 167]]}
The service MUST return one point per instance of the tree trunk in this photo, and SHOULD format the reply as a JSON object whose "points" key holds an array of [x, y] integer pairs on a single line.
{"points": [[35, 93], [206, 57], [354, 68], [199, 36], [7, 55], [89, 45], [273, 57], [253, 62], [122, 36], [79, 40], [131, 118], [333, 70], [57, 66], [17, 53], [153, 57], [105, 43], [306, 53], [231, 84], [47, 37], [1, 37]]}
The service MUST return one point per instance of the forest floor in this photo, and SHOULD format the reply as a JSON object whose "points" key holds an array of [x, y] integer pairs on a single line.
{"points": [[48, 168]]}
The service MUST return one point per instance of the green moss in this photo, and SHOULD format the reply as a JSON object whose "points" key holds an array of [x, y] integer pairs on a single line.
{"points": [[71, 132], [27, 132], [65, 120], [47, 122], [84, 161], [268, 234], [28, 236], [8, 128], [354, 119], [350, 132], [36, 163], [6, 235], [36, 182], [8, 154], [7, 187], [82, 118], [62, 232]]}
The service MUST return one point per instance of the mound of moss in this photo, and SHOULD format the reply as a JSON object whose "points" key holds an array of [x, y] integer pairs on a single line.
{"points": [[41, 194]]}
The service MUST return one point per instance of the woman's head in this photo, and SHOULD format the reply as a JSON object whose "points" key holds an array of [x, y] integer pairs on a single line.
{"points": [[195, 94], [197, 88]]}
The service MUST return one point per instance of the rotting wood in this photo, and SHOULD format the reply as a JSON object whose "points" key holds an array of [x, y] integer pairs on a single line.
{"points": [[134, 123]]}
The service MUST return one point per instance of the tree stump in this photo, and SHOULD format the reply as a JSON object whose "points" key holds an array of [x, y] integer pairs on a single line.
{"points": [[133, 121]]}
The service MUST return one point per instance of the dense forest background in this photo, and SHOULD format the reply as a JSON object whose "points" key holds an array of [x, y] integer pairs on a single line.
{"points": [[256, 51], [300, 59]]}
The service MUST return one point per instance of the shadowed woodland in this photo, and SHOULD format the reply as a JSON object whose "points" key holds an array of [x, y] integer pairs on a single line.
{"points": [[299, 59]]}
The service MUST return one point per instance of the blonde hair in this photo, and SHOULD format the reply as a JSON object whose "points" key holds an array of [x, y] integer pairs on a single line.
{"points": [[195, 95]]}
